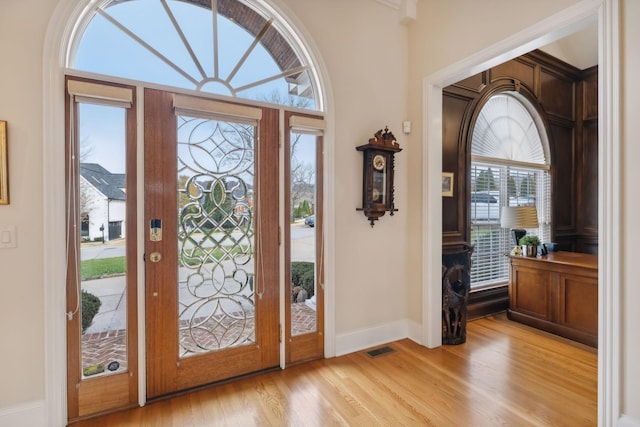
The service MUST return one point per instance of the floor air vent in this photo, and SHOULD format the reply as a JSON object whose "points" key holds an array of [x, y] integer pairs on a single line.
{"points": [[380, 351]]}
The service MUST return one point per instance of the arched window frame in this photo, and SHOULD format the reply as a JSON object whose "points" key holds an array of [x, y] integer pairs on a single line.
{"points": [[527, 166], [258, 18]]}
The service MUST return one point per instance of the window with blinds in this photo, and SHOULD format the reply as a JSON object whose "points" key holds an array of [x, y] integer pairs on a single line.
{"points": [[509, 167]]}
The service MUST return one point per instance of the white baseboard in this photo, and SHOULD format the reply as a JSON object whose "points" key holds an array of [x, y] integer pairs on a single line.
{"points": [[30, 414], [351, 342], [415, 331], [627, 421]]}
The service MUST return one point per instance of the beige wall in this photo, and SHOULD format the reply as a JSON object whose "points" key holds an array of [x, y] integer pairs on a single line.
{"points": [[22, 28], [364, 49], [375, 67]]}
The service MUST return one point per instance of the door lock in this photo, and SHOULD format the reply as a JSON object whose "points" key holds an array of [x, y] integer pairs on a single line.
{"points": [[155, 230], [155, 256]]}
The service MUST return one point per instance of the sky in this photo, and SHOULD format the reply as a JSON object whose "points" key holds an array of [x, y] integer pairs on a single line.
{"points": [[107, 49]]}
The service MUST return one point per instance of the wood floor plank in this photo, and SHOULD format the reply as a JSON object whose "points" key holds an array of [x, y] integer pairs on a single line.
{"points": [[506, 374]]}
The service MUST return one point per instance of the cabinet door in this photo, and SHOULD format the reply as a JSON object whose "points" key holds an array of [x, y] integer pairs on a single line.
{"points": [[530, 292], [579, 303]]}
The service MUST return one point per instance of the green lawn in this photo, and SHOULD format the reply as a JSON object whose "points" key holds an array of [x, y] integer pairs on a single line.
{"points": [[108, 267], [103, 267]]}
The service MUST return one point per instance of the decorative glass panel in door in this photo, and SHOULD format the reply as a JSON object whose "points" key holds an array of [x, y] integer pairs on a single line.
{"points": [[216, 232], [211, 249]]}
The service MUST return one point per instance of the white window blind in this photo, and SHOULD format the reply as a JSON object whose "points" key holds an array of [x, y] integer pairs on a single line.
{"points": [[494, 186], [208, 108], [95, 93]]}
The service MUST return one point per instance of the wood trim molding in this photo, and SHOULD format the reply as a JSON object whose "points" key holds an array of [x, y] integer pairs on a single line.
{"points": [[610, 367], [487, 301], [394, 4], [407, 9]]}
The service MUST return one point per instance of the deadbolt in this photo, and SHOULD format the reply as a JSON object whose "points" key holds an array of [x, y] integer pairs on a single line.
{"points": [[155, 256]]}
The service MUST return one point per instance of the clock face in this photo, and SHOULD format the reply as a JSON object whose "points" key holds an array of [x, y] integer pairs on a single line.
{"points": [[378, 162]]}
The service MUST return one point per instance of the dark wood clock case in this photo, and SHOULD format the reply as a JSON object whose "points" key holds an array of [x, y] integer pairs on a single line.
{"points": [[377, 175]]}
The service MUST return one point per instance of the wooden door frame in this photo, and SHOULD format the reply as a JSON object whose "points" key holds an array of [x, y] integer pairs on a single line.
{"points": [[308, 346], [78, 407], [167, 373], [59, 36]]}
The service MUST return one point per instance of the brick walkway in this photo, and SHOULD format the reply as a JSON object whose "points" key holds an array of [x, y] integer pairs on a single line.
{"points": [[303, 319], [105, 347]]}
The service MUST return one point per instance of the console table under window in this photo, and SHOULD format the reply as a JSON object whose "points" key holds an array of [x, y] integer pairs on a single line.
{"points": [[557, 293]]}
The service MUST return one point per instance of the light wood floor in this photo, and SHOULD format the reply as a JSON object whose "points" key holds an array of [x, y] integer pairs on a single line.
{"points": [[506, 374]]}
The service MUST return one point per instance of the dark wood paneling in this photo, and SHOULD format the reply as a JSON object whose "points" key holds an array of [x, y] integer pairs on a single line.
{"points": [[567, 100], [474, 83], [566, 242], [574, 152], [518, 69], [455, 108], [587, 245], [590, 94], [557, 94], [588, 218], [564, 177], [487, 301], [587, 163]]}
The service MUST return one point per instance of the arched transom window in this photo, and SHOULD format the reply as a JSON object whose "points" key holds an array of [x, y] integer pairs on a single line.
{"points": [[509, 167], [227, 47]]}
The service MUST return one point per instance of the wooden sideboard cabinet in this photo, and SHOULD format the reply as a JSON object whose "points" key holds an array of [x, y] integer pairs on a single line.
{"points": [[557, 293]]}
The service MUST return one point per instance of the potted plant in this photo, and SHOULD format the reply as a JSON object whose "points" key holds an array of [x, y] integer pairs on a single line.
{"points": [[529, 245]]}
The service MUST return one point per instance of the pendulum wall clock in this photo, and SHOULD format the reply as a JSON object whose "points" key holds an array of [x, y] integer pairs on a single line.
{"points": [[377, 175]]}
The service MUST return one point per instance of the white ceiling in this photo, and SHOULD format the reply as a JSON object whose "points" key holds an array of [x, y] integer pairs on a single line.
{"points": [[579, 49]]}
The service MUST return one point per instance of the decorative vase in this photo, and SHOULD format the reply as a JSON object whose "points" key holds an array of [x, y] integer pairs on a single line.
{"points": [[530, 250]]}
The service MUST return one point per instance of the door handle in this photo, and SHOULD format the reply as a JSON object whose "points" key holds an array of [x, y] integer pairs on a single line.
{"points": [[155, 256]]}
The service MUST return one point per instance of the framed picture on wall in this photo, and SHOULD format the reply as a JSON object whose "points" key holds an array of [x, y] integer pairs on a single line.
{"points": [[4, 165], [447, 184]]}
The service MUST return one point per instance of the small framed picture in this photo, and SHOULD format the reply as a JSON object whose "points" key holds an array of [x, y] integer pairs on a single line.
{"points": [[447, 184], [4, 165]]}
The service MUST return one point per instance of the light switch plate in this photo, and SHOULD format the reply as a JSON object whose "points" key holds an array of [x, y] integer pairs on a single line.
{"points": [[7, 236]]}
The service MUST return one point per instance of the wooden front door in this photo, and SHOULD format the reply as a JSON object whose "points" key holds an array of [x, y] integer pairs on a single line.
{"points": [[211, 240]]}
